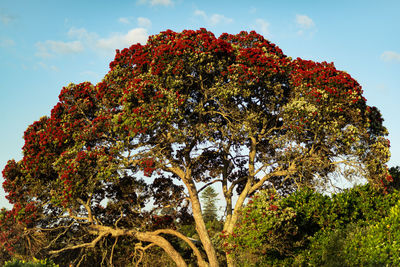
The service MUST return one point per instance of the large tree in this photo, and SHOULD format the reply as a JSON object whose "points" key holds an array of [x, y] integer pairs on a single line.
{"points": [[173, 116]]}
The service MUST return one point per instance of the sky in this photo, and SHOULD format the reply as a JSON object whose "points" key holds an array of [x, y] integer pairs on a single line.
{"points": [[45, 45]]}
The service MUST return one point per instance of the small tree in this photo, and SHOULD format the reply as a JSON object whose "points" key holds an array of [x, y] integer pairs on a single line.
{"points": [[209, 197]]}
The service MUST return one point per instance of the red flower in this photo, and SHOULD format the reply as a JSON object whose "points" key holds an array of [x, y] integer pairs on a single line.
{"points": [[273, 207]]}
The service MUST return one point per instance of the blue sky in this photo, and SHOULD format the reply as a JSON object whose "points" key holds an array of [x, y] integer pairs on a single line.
{"points": [[45, 45]]}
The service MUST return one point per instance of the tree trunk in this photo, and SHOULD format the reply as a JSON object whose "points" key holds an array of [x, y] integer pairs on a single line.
{"points": [[229, 225], [230, 260], [201, 227]]}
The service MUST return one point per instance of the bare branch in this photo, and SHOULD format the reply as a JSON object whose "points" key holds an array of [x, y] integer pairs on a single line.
{"points": [[112, 250], [85, 245], [59, 235], [119, 219], [266, 177]]}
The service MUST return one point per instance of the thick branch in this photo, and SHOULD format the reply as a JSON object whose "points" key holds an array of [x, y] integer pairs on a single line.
{"points": [[267, 176], [152, 237], [164, 244], [200, 260]]}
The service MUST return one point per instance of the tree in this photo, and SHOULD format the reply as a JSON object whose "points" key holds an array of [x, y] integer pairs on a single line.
{"points": [[209, 210], [186, 108]]}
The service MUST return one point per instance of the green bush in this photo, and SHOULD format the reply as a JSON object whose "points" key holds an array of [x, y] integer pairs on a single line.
{"points": [[356, 245], [376, 245], [308, 228], [38, 263], [326, 248]]}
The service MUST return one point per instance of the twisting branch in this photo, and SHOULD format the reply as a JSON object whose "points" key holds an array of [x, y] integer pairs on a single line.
{"points": [[138, 246], [91, 218], [200, 260], [112, 250], [59, 235], [84, 245], [120, 218]]}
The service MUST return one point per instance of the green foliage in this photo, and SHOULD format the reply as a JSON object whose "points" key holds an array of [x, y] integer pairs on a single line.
{"points": [[326, 248], [36, 263], [309, 227], [209, 197], [377, 244]]}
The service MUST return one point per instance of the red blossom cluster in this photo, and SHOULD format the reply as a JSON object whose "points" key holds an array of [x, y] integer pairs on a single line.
{"points": [[318, 77], [12, 223], [148, 166]]}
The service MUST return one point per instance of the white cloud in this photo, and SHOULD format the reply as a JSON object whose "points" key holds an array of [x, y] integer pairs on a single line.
{"points": [[119, 40], [263, 27], [157, 2], [50, 48], [144, 22], [92, 41], [6, 42], [304, 21], [214, 19], [305, 24], [388, 56], [124, 20]]}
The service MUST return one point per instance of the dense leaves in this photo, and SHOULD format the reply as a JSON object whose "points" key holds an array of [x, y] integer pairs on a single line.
{"points": [[309, 227]]}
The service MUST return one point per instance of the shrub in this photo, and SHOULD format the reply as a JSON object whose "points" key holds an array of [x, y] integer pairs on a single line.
{"points": [[377, 244], [37, 263], [309, 227]]}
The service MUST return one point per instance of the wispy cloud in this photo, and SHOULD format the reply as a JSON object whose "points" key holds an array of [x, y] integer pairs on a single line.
{"points": [[82, 35], [50, 48], [305, 24], [213, 19], [89, 40], [156, 2], [144, 22], [47, 67], [6, 42], [389, 56], [120, 40], [304, 21], [124, 20], [6, 19], [262, 26]]}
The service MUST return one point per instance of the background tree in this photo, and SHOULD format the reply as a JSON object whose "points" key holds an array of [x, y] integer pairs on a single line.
{"points": [[210, 210], [186, 109]]}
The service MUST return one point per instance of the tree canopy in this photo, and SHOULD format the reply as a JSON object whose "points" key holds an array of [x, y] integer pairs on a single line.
{"points": [[171, 117]]}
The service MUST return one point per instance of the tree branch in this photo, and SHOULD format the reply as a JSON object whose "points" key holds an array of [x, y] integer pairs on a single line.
{"points": [[210, 183], [85, 245], [200, 260]]}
